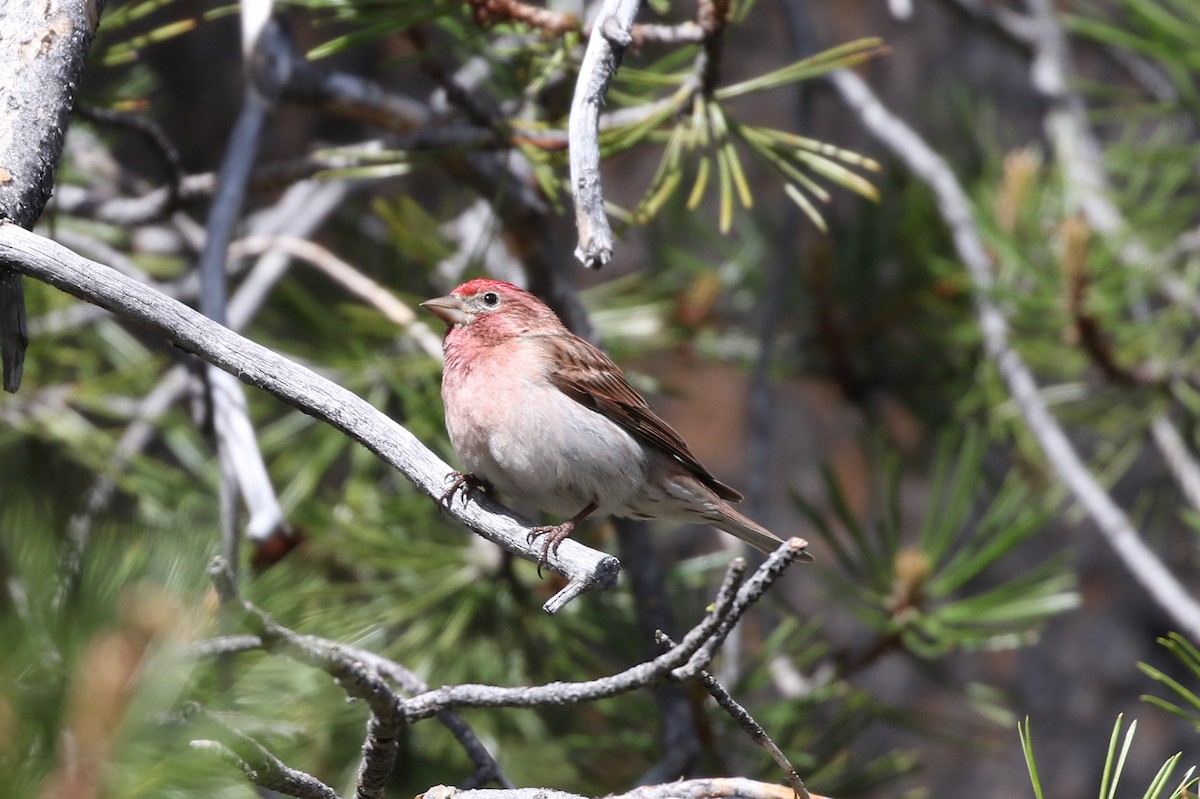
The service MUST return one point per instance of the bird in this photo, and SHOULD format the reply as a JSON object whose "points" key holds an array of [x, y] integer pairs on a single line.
{"points": [[549, 420]]}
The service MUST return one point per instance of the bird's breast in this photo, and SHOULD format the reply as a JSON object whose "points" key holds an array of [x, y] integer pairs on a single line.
{"points": [[511, 426]]}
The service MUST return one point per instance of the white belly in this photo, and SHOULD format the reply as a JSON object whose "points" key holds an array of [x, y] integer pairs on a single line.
{"points": [[560, 466]]}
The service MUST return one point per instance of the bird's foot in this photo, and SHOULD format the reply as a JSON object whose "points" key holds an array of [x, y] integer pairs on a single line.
{"points": [[465, 483], [555, 534]]}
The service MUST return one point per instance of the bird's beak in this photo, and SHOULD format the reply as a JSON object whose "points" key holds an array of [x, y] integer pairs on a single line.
{"points": [[449, 309]]}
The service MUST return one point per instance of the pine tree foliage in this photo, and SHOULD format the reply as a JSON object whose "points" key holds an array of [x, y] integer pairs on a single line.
{"points": [[105, 594]]}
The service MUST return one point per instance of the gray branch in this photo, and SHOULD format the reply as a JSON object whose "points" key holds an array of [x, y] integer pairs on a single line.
{"points": [[680, 662], [692, 654], [710, 788], [955, 208], [359, 674], [744, 720], [486, 767], [600, 63], [261, 767], [45, 46], [25, 252]]}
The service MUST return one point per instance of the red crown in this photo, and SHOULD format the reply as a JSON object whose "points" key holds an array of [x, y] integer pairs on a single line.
{"points": [[482, 284]]}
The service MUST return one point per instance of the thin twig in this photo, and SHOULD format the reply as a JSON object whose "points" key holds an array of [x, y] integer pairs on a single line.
{"points": [[682, 661], [748, 593], [487, 769], [352, 676], [149, 131], [712, 16], [1178, 458], [693, 653], [739, 714], [390, 710], [260, 766], [551, 23]]}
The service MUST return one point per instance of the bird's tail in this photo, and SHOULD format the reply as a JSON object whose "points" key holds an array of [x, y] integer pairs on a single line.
{"points": [[753, 533]]}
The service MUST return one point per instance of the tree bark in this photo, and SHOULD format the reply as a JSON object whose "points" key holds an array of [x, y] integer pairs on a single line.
{"points": [[43, 46]]}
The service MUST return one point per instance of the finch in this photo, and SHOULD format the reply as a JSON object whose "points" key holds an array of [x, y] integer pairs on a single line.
{"points": [[549, 420]]}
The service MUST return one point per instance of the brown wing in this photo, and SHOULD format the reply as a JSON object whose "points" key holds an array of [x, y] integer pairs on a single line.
{"points": [[588, 376]]}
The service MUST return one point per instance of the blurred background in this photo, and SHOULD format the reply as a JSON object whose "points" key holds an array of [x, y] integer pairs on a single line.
{"points": [[785, 288]]}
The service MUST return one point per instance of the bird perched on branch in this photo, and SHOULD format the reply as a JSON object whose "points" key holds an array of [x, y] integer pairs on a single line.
{"points": [[548, 419]]}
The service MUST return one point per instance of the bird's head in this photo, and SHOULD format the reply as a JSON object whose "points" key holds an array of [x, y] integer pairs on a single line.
{"points": [[492, 308]]}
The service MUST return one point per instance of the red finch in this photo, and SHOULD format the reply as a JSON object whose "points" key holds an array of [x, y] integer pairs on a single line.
{"points": [[547, 419]]}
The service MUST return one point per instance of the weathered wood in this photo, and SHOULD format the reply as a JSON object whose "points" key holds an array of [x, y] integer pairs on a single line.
{"points": [[43, 46]]}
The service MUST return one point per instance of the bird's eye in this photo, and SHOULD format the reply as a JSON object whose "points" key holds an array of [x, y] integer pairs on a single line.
{"points": [[491, 299]]}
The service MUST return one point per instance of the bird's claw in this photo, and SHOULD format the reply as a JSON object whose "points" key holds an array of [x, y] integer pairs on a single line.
{"points": [[462, 482], [555, 534]]}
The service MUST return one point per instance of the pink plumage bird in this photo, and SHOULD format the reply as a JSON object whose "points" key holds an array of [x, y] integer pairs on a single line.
{"points": [[549, 420]]}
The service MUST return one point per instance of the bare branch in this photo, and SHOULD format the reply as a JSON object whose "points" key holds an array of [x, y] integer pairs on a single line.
{"points": [[1178, 458], [260, 766], [149, 131], [600, 63], [360, 673], [352, 676], [487, 769], [379, 757], [738, 713], [352, 96], [682, 662], [551, 23], [955, 208], [748, 593], [712, 17], [711, 788], [683, 33]]}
